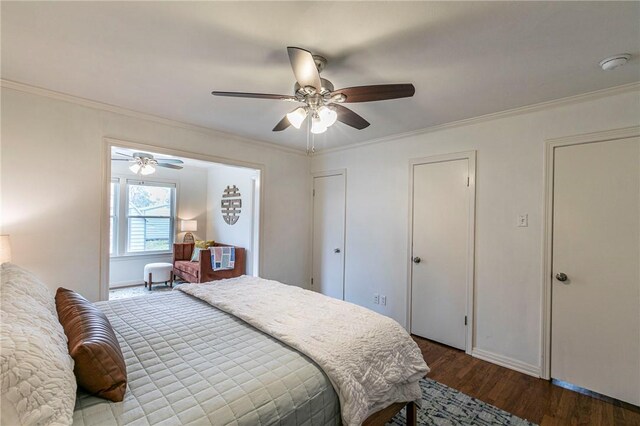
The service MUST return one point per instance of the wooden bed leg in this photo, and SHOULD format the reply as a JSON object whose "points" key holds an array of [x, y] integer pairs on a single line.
{"points": [[412, 415]]}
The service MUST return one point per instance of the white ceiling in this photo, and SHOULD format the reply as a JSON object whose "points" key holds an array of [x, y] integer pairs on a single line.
{"points": [[465, 58]]}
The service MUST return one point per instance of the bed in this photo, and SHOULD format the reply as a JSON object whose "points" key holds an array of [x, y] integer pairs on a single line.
{"points": [[203, 355]]}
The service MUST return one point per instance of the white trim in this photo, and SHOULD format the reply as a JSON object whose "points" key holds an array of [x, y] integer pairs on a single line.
{"points": [[108, 142], [27, 88], [122, 284], [597, 94], [547, 246], [631, 87], [314, 175], [507, 362], [470, 309]]}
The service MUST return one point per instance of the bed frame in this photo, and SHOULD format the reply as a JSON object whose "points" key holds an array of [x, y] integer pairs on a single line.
{"points": [[385, 415]]}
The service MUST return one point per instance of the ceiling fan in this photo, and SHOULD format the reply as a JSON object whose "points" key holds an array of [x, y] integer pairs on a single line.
{"points": [[145, 164], [321, 101]]}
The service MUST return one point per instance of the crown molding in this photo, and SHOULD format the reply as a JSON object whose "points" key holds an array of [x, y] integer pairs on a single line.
{"points": [[584, 97], [23, 87], [27, 88]]}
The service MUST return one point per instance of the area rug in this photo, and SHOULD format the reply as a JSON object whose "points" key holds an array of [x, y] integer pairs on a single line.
{"points": [[445, 406], [140, 290]]}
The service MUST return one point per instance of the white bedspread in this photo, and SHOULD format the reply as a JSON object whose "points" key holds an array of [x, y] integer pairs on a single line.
{"points": [[370, 359]]}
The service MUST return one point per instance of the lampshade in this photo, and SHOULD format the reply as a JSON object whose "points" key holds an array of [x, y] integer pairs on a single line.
{"points": [[135, 168], [147, 169], [188, 225], [328, 116], [297, 116], [317, 126], [5, 249]]}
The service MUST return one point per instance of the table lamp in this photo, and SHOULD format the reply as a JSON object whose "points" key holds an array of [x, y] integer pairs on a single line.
{"points": [[188, 226]]}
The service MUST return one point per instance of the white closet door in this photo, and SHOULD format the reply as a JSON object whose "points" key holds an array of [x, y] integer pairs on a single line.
{"points": [[328, 235], [440, 251], [595, 326]]}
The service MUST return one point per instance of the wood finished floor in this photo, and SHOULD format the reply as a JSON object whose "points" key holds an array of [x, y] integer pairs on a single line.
{"points": [[533, 399]]}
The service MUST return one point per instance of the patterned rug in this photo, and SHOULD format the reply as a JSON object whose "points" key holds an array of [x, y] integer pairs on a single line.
{"points": [[444, 406]]}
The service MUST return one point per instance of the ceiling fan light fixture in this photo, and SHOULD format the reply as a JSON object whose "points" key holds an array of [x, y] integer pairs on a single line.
{"points": [[317, 125], [328, 115], [147, 169], [297, 116], [135, 168]]}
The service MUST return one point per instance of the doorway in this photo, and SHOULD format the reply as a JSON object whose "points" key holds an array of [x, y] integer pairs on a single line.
{"points": [[593, 264], [328, 236], [155, 198], [441, 264]]}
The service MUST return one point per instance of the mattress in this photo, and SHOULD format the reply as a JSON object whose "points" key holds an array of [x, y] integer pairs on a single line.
{"points": [[190, 363]]}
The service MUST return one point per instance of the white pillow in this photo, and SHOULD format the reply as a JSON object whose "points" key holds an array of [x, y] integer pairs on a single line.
{"points": [[38, 384]]}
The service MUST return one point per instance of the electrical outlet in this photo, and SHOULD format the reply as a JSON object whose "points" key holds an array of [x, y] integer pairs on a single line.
{"points": [[383, 300], [523, 220], [376, 298]]}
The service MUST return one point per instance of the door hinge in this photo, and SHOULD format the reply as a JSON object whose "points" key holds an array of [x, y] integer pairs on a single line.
{"points": [[467, 180], [314, 192], [465, 320], [311, 281]]}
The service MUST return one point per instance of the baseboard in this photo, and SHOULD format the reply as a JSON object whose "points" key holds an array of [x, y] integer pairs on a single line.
{"points": [[125, 284], [504, 361]]}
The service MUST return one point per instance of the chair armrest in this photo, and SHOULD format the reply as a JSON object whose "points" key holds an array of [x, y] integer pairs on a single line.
{"points": [[205, 261], [182, 251]]}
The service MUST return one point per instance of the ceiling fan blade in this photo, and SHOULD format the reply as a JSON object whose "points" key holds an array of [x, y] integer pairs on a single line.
{"points": [[282, 124], [170, 160], [122, 159], [350, 118], [169, 166], [124, 155], [304, 68], [381, 92], [254, 95]]}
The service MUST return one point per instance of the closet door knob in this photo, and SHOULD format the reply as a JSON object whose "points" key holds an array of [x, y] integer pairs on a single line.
{"points": [[337, 250], [561, 276], [416, 259]]}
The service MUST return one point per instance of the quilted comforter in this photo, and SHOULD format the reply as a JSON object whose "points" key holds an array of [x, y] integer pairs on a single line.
{"points": [[369, 358], [189, 363]]}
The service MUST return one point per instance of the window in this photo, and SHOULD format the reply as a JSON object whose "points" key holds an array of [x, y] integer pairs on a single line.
{"points": [[142, 217], [113, 214], [150, 208]]}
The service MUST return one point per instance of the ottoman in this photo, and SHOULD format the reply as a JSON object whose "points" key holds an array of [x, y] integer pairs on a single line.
{"points": [[157, 273]]}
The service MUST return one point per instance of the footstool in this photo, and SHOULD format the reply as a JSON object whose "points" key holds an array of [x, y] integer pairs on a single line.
{"points": [[157, 273]]}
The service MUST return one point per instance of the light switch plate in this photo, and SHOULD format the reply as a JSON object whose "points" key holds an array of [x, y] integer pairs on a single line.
{"points": [[523, 220], [383, 300]]}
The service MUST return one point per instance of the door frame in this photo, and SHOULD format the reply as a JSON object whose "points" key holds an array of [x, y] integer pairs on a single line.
{"points": [[327, 173], [547, 246], [107, 143], [470, 305]]}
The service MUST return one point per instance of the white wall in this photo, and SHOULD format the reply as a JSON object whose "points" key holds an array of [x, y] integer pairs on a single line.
{"points": [[191, 204], [509, 182], [241, 233], [51, 172]]}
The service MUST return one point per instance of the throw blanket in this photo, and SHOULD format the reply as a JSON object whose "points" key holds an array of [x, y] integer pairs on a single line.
{"points": [[223, 258], [370, 359]]}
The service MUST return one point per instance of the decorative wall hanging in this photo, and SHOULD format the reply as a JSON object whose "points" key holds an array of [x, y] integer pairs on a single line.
{"points": [[231, 204]]}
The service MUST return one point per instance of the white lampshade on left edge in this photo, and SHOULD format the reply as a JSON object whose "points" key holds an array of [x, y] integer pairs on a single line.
{"points": [[5, 249]]}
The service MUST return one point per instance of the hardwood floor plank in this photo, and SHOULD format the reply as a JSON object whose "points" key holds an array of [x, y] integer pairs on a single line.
{"points": [[533, 399]]}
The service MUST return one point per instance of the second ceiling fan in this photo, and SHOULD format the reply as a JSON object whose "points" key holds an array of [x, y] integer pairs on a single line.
{"points": [[321, 102]]}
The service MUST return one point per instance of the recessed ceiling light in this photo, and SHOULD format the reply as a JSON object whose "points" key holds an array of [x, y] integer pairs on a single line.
{"points": [[614, 61]]}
